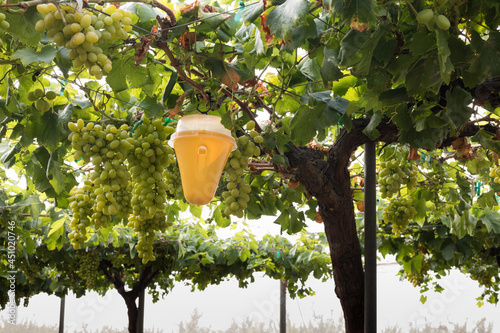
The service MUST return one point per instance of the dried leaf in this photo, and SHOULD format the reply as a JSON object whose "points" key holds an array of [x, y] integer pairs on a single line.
{"points": [[188, 39], [189, 8], [209, 9], [423, 249], [318, 218], [142, 50], [462, 146], [293, 183], [495, 157], [261, 88], [230, 78], [413, 154], [356, 25], [250, 82], [361, 206], [269, 36]]}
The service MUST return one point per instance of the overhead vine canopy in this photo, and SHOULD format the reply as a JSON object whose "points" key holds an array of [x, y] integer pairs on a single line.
{"points": [[302, 85]]}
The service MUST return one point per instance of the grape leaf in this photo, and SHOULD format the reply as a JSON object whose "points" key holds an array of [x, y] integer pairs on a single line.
{"points": [[421, 43], [23, 26], [457, 107], [284, 17], [211, 21], [48, 133], [252, 12], [357, 48], [448, 249], [145, 12], [424, 75], [124, 71], [486, 64], [329, 68], [490, 218], [487, 200], [445, 65], [371, 129], [28, 55], [362, 10], [151, 107]]}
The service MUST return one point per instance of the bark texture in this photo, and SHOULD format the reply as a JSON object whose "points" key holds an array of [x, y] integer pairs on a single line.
{"points": [[328, 180]]}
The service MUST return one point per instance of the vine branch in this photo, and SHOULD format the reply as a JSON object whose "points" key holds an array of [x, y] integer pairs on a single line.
{"points": [[243, 107]]}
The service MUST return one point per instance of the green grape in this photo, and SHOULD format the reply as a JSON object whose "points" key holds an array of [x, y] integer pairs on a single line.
{"points": [[81, 207], [89, 265], [50, 95], [42, 105], [250, 125], [31, 96], [108, 186], [86, 21], [392, 176], [399, 212], [425, 16], [4, 24], [80, 30], [92, 37], [442, 22], [39, 93], [40, 25], [236, 196], [482, 276], [173, 180], [417, 279], [148, 159], [31, 270], [495, 174]]}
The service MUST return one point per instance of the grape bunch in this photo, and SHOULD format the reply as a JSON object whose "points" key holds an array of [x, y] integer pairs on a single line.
{"points": [[399, 212], [236, 196], [393, 175], [417, 279], [431, 20], [172, 176], [89, 264], [40, 99], [3, 23], [81, 206], [30, 270], [482, 277], [147, 161], [495, 174], [146, 234], [82, 32], [107, 149]]}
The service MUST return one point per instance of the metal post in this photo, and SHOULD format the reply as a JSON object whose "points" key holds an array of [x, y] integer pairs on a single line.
{"points": [[140, 314], [61, 314], [282, 306], [370, 240]]}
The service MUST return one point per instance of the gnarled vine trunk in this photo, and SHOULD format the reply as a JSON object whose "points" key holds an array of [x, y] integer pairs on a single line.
{"points": [[329, 181], [130, 297]]}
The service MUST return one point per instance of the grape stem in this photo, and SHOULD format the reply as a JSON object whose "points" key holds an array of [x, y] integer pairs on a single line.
{"points": [[243, 106], [95, 106], [165, 24], [176, 64], [412, 8], [7, 62]]}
